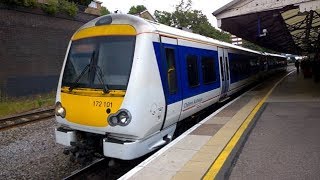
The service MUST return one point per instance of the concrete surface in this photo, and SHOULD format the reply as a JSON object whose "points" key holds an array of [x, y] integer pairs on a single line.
{"points": [[285, 142]]}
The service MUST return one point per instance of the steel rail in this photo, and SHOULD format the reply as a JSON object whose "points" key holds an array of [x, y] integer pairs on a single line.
{"points": [[91, 171], [14, 121]]}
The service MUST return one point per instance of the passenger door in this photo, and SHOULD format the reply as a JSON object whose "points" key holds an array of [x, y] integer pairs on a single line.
{"points": [[171, 77], [224, 71]]}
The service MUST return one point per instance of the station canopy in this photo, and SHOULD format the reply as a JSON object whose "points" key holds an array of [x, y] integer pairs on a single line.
{"points": [[290, 26]]}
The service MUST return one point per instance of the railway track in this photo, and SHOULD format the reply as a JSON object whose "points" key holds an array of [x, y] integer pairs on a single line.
{"points": [[10, 122], [96, 170], [105, 168]]}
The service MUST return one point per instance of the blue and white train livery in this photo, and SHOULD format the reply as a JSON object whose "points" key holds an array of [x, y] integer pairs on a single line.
{"points": [[126, 82]]}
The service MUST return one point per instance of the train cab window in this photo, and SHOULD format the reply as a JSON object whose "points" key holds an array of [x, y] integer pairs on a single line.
{"points": [[192, 70], [208, 73], [99, 62], [171, 71]]}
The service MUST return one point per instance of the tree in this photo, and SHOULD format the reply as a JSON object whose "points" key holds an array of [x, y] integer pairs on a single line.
{"points": [[256, 47], [164, 17], [104, 11], [137, 9], [81, 2], [185, 16]]}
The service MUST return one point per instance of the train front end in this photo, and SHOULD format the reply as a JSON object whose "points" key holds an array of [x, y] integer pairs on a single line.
{"points": [[94, 81], [95, 78], [101, 103]]}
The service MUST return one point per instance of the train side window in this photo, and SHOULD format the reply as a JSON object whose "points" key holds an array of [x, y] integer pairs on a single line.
{"points": [[192, 70], [171, 70], [208, 73]]}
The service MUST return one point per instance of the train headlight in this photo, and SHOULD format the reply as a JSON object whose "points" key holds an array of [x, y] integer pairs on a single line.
{"points": [[113, 120], [124, 118], [60, 110], [121, 118]]}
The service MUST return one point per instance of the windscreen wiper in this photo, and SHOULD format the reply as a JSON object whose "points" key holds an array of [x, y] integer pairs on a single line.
{"points": [[75, 83], [98, 72], [100, 77]]}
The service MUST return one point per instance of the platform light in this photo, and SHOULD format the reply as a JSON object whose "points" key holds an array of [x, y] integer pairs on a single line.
{"points": [[60, 110], [264, 33], [121, 118]]}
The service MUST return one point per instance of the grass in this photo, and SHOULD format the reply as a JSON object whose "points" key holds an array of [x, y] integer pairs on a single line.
{"points": [[10, 106]]}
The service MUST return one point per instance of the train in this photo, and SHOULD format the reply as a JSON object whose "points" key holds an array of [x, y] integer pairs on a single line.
{"points": [[126, 82]]}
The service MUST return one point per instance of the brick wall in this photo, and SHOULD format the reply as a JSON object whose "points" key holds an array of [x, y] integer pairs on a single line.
{"points": [[32, 49]]}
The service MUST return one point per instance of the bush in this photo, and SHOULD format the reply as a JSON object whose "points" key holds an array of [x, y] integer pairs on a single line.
{"points": [[104, 11], [11, 2], [30, 3], [26, 3], [73, 9], [68, 7], [51, 7]]}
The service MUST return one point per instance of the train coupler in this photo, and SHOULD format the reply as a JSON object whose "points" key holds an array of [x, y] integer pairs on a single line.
{"points": [[80, 152]]}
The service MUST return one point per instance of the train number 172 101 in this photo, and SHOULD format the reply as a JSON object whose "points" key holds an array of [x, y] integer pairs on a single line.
{"points": [[102, 104]]}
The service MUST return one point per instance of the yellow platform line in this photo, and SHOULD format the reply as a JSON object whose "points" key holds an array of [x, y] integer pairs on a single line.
{"points": [[223, 156]]}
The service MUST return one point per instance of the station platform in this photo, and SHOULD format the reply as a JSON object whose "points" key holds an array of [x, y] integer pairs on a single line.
{"points": [[269, 132]]}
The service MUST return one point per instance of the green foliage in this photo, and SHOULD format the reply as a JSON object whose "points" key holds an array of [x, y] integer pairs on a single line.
{"points": [[186, 17], [104, 11], [164, 17], [81, 2], [26, 3], [137, 9], [54, 6], [11, 106], [68, 7], [51, 7], [30, 3], [73, 9], [10, 2], [250, 45]]}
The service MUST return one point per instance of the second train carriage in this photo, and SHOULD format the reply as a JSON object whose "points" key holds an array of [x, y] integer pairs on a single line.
{"points": [[126, 82]]}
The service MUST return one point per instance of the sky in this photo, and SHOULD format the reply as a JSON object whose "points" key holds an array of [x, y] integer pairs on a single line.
{"points": [[206, 6]]}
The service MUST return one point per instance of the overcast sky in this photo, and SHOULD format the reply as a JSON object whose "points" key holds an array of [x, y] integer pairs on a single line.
{"points": [[206, 6]]}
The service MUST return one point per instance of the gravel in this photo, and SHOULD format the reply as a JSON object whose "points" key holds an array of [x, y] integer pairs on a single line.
{"points": [[30, 152]]}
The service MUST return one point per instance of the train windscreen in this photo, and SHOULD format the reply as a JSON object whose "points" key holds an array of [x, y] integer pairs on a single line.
{"points": [[100, 63]]}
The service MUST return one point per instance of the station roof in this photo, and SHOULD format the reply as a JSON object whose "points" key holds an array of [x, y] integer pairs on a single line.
{"points": [[290, 26]]}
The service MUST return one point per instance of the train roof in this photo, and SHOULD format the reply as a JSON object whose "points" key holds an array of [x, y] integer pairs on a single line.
{"points": [[145, 26], [275, 55]]}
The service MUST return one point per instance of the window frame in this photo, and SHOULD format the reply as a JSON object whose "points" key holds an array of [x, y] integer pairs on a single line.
{"points": [[176, 90], [196, 68], [210, 58], [97, 41], [221, 68]]}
